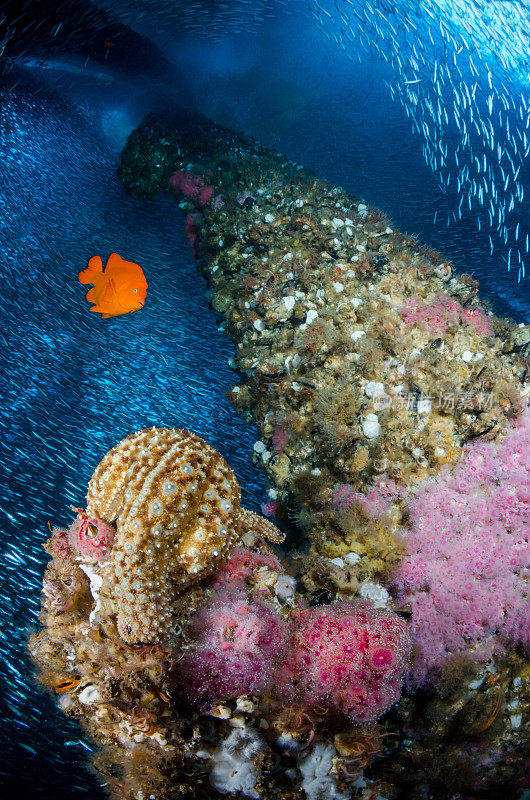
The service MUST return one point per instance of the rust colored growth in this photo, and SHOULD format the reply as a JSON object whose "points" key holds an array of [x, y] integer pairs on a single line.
{"points": [[314, 336], [468, 280], [155, 651], [301, 722], [304, 221], [256, 232], [480, 713], [248, 282], [358, 746], [141, 721], [493, 706], [424, 270], [67, 685], [364, 267], [280, 222]]}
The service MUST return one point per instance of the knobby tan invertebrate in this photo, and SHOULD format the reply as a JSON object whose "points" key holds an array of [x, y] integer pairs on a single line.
{"points": [[176, 506]]}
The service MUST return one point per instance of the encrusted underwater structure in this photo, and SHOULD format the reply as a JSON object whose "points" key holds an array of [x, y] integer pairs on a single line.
{"points": [[388, 656]]}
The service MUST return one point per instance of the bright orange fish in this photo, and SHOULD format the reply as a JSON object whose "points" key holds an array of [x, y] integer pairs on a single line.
{"points": [[120, 289]]}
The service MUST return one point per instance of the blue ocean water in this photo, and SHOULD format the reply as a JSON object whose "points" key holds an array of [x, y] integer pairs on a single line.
{"points": [[73, 384]]}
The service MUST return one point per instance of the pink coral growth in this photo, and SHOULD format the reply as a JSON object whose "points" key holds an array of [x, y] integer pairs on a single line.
{"points": [[192, 230], [192, 186], [349, 656], [280, 438], [466, 573], [269, 508], [242, 564], [375, 503], [91, 537], [238, 648], [476, 317], [59, 546], [444, 311]]}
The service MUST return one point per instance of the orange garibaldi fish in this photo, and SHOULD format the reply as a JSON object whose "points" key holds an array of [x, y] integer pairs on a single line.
{"points": [[120, 289]]}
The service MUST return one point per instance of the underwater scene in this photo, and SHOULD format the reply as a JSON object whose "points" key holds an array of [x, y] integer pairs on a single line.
{"points": [[265, 410]]}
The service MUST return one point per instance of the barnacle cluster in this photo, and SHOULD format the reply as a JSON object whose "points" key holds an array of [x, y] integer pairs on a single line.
{"points": [[361, 353]]}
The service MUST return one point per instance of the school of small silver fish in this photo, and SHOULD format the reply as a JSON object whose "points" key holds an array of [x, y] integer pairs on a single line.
{"points": [[460, 71], [200, 19]]}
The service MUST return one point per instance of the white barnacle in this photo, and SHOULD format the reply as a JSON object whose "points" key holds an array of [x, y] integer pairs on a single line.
{"points": [[371, 427], [90, 695]]}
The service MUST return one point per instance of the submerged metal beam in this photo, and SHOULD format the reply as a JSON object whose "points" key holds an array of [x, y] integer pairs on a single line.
{"points": [[363, 357], [368, 366]]}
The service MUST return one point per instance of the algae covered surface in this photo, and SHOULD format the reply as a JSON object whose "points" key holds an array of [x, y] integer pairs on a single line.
{"points": [[363, 660]]}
